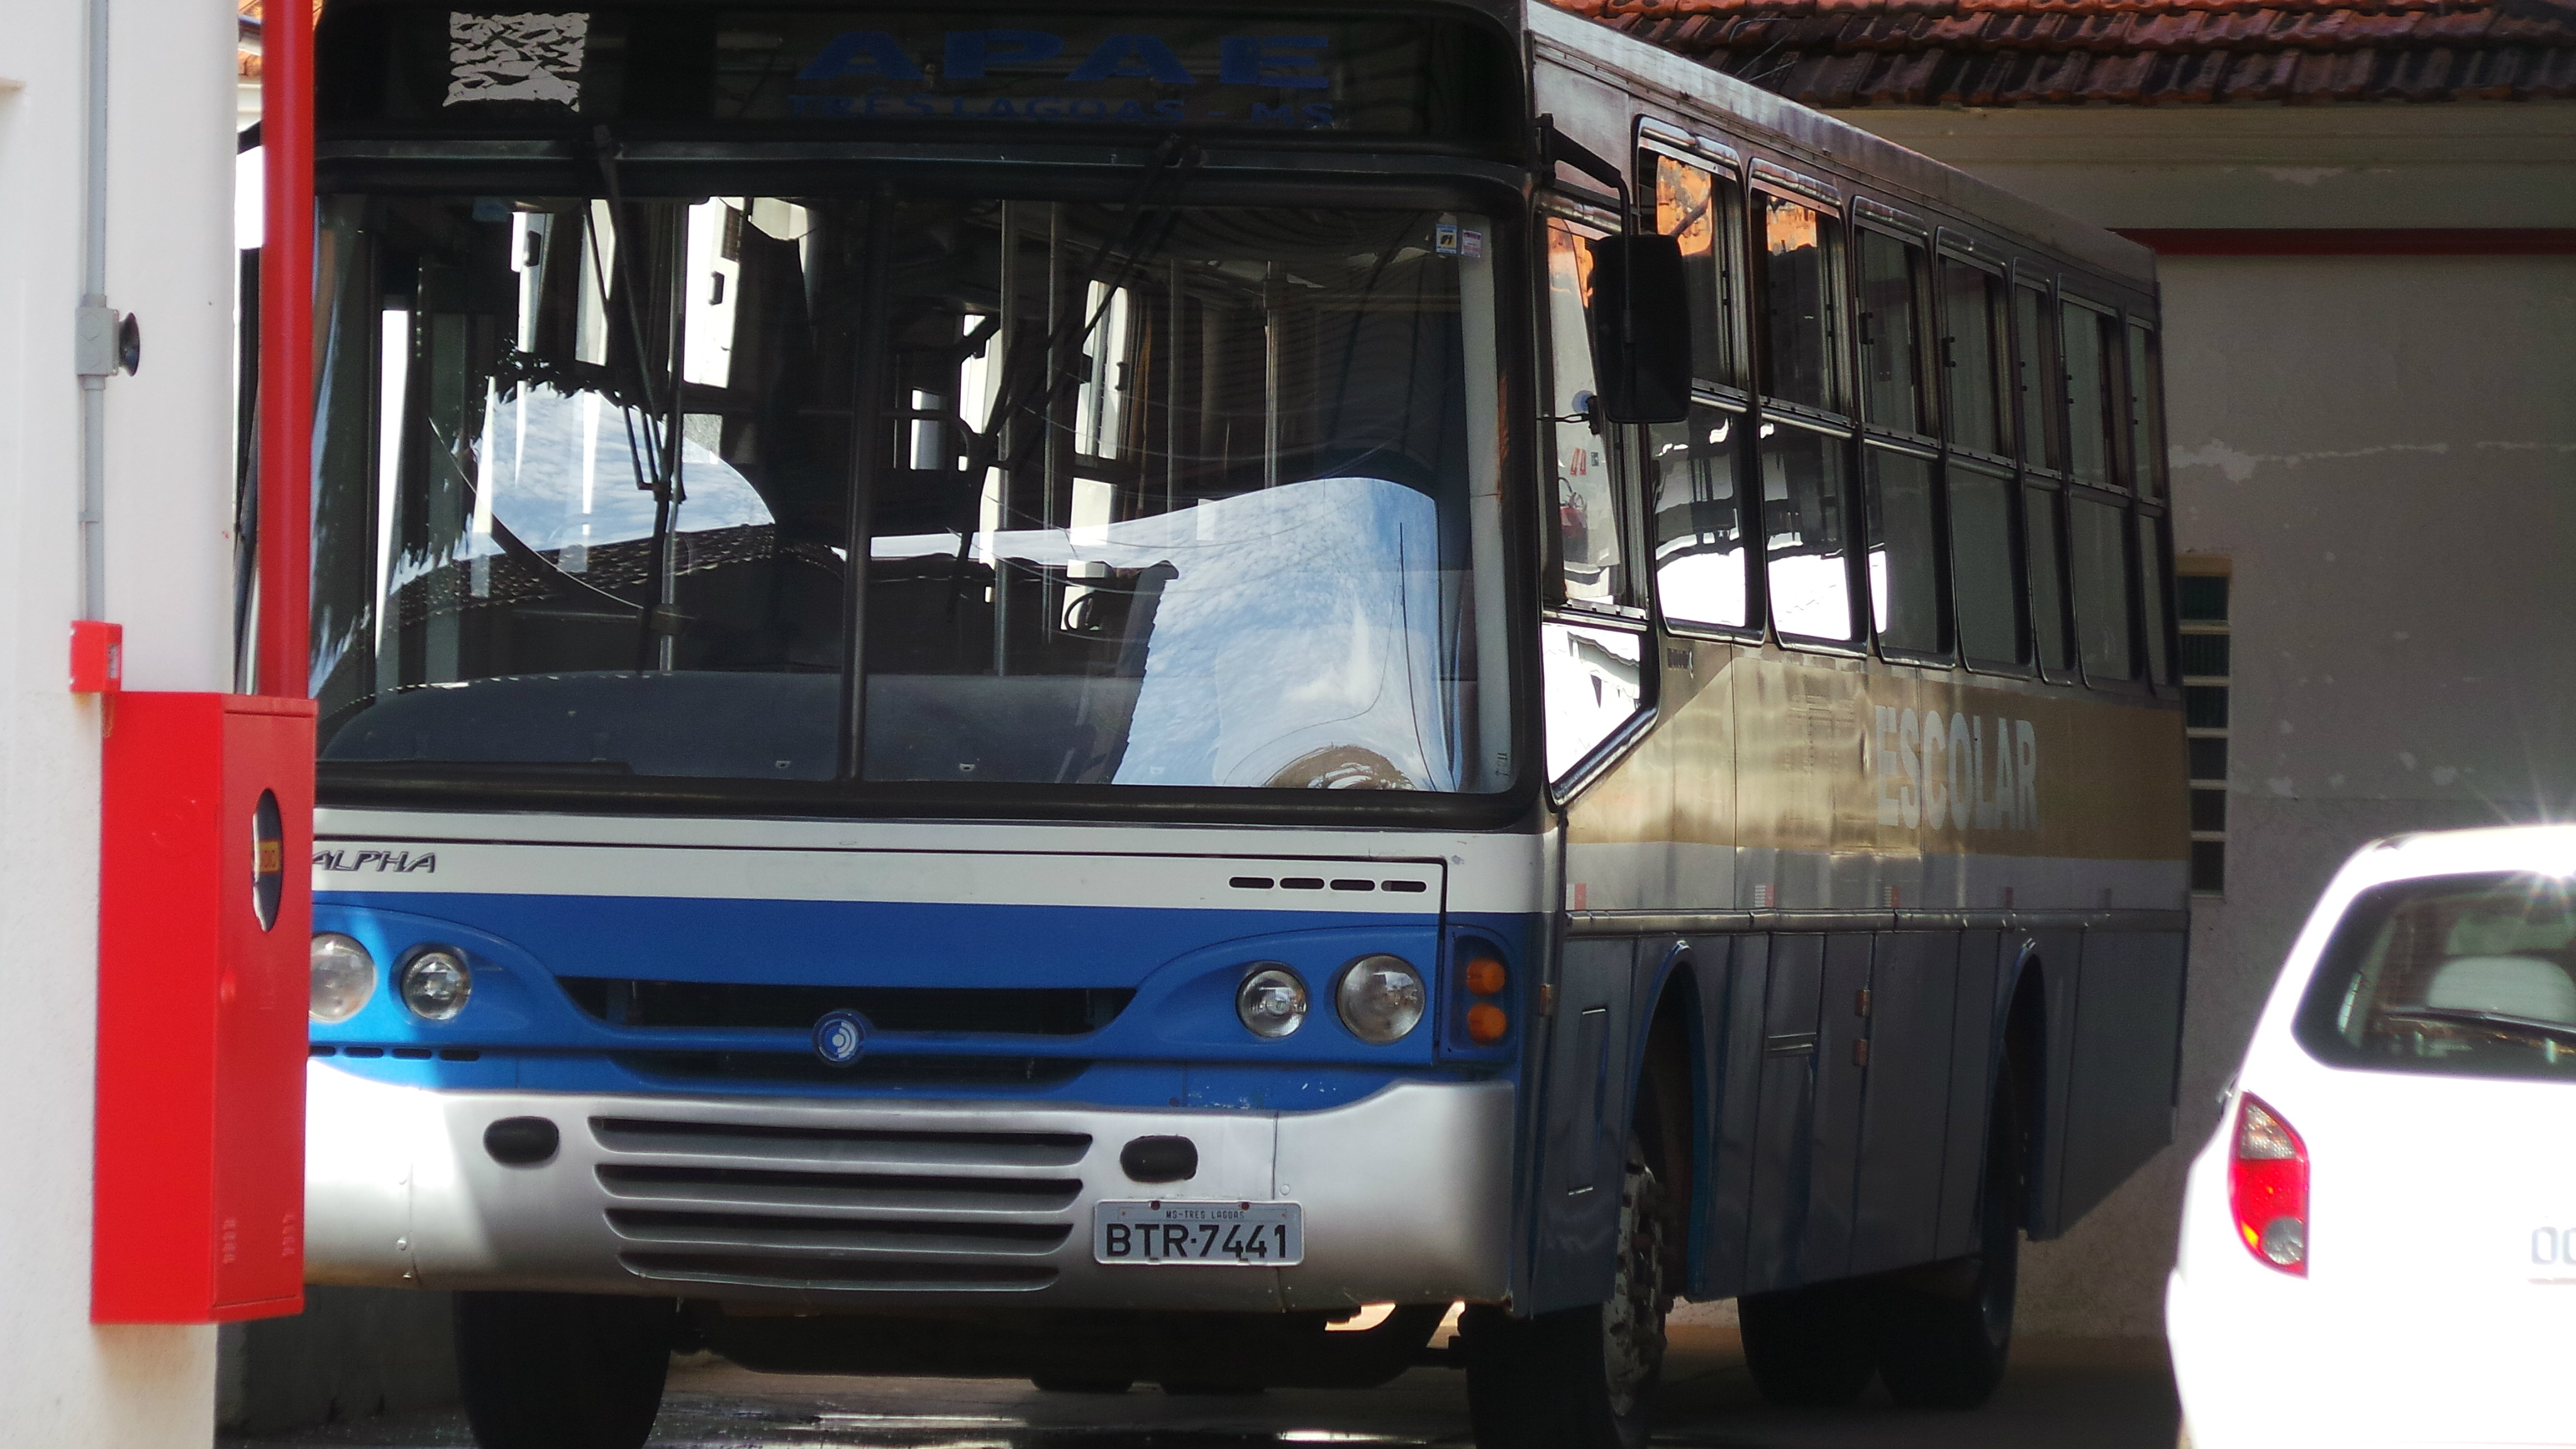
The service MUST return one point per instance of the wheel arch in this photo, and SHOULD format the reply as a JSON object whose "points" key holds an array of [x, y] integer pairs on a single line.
{"points": [[2022, 1057], [1668, 1094]]}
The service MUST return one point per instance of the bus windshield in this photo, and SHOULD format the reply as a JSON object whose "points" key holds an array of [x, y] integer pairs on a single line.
{"points": [[1114, 494]]}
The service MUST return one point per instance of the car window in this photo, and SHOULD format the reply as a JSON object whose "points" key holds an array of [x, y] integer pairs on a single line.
{"points": [[2471, 975]]}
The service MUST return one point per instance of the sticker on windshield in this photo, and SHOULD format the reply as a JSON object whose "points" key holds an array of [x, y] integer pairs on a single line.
{"points": [[516, 57]]}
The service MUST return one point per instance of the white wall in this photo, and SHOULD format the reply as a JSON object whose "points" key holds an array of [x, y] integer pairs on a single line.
{"points": [[65, 1381], [2384, 449]]}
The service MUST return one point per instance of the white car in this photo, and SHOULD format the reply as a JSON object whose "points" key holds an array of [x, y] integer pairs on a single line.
{"points": [[2379, 1244]]}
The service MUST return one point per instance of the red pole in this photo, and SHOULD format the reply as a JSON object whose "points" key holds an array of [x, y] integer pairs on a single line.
{"points": [[286, 350]]}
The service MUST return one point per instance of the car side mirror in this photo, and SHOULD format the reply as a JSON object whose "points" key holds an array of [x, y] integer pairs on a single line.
{"points": [[1641, 328]]}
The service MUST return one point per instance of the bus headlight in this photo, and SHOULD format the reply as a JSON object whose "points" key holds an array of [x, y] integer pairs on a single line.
{"points": [[344, 977], [1380, 999], [1271, 1001], [436, 983]]}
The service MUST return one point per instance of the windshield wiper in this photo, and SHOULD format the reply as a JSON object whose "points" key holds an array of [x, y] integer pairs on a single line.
{"points": [[661, 615], [2498, 1020]]}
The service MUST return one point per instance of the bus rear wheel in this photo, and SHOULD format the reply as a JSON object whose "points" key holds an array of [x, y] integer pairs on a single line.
{"points": [[1581, 1378], [562, 1370]]}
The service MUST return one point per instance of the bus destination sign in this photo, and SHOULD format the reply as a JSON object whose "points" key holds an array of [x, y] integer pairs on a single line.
{"points": [[520, 72]]}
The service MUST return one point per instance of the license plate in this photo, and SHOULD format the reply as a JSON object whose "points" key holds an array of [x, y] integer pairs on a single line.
{"points": [[1235, 1234]]}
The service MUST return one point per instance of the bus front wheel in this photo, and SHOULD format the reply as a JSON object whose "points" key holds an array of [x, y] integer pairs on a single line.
{"points": [[562, 1370], [1580, 1378]]}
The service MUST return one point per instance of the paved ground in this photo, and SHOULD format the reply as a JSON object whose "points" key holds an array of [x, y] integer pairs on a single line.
{"points": [[2060, 1394]]}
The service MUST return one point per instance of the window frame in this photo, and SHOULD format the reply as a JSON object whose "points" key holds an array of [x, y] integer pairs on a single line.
{"points": [[2149, 474], [1953, 249], [1765, 179], [2115, 409], [1863, 636], [2123, 507], [2043, 456], [1932, 417], [1837, 423], [1945, 653], [2017, 540], [1756, 551], [1657, 141], [1632, 609]]}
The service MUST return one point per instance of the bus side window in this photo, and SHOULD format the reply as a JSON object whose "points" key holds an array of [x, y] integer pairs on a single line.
{"points": [[1970, 356], [1904, 588], [1890, 372], [2035, 371], [1983, 577], [2157, 616], [1807, 575], [1796, 250], [2098, 534], [1694, 474], [2089, 412], [1590, 537], [2146, 413], [1692, 206], [2042, 527]]}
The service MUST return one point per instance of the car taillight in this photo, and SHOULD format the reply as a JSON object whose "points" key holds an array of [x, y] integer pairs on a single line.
{"points": [[2267, 1185]]}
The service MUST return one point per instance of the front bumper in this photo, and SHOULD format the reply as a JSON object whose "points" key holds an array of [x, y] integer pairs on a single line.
{"points": [[1406, 1197]]}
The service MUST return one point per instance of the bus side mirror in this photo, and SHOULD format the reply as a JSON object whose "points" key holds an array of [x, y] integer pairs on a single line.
{"points": [[1641, 328]]}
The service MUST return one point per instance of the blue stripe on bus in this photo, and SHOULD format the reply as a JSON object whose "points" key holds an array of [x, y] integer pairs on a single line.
{"points": [[1177, 1043]]}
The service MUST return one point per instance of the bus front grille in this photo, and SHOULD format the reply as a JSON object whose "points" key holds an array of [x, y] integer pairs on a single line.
{"points": [[795, 1204], [881, 1069], [972, 1011]]}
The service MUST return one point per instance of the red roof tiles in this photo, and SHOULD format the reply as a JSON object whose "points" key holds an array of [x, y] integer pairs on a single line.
{"points": [[2129, 52]]}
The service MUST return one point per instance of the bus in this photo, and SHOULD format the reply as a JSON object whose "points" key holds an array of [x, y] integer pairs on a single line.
{"points": [[1144, 692]]}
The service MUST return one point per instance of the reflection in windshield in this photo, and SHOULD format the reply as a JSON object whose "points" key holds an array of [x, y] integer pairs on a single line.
{"points": [[1157, 495]]}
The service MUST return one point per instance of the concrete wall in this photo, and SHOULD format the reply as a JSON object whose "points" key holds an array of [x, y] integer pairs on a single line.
{"points": [[169, 581], [2384, 451]]}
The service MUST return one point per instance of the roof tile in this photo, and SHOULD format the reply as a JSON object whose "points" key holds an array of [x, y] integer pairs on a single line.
{"points": [[2122, 52]]}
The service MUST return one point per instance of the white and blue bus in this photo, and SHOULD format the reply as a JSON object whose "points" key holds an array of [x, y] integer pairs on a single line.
{"points": [[1068, 692]]}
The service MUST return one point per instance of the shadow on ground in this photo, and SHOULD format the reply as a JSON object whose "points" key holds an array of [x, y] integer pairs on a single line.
{"points": [[2060, 1394]]}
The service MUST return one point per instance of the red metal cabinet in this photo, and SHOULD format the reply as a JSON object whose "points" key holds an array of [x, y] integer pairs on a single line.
{"points": [[205, 919]]}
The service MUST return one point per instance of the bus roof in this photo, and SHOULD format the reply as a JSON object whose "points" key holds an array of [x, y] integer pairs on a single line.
{"points": [[1828, 142]]}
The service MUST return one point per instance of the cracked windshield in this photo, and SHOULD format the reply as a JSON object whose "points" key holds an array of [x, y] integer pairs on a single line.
{"points": [[1153, 494]]}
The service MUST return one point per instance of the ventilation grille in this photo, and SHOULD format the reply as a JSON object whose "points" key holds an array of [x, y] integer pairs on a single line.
{"points": [[976, 1011], [789, 1205], [878, 1070]]}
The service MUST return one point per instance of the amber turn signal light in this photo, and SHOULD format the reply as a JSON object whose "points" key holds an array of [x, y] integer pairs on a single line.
{"points": [[1485, 976], [1486, 1023]]}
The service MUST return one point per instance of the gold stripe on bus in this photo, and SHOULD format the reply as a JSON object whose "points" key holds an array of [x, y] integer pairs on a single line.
{"points": [[1791, 752]]}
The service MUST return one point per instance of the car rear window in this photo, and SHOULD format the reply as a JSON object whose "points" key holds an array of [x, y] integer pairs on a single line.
{"points": [[2465, 975]]}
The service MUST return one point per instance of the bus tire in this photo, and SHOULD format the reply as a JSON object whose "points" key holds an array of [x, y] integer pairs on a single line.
{"points": [[1944, 1336], [1808, 1347], [562, 1370], [1580, 1378]]}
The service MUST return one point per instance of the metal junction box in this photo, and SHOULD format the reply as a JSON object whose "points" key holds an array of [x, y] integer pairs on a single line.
{"points": [[205, 913]]}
